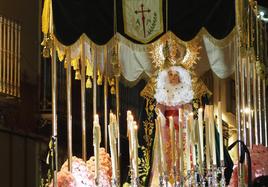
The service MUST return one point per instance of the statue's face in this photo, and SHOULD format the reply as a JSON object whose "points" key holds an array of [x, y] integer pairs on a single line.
{"points": [[173, 77]]}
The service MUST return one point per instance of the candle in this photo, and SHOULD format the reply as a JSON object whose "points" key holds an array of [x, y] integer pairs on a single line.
{"points": [[113, 151], [116, 127], [172, 139], [201, 138], [188, 135], [96, 139], [181, 141], [128, 121], [193, 153], [211, 123], [207, 136], [160, 138], [135, 151], [220, 131]]}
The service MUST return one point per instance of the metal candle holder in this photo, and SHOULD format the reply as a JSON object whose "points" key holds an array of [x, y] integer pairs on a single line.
{"points": [[166, 179], [222, 167], [196, 174], [161, 181], [189, 178], [214, 176]]}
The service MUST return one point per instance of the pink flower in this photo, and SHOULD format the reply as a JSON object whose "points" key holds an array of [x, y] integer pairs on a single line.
{"points": [[259, 164]]}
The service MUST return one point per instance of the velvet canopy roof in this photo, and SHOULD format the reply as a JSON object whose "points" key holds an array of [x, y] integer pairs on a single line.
{"points": [[185, 19]]}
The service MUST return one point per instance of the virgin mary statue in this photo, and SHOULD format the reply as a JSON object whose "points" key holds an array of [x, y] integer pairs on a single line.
{"points": [[173, 86], [173, 92]]}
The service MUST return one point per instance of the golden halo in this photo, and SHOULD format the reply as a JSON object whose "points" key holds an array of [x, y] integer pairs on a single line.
{"points": [[171, 51]]}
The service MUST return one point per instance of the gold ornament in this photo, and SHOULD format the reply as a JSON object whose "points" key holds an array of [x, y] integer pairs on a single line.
{"points": [[88, 83], [99, 80], [77, 75], [171, 51], [112, 91]]}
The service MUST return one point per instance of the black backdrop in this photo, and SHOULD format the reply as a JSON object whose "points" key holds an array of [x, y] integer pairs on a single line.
{"points": [[185, 18]]}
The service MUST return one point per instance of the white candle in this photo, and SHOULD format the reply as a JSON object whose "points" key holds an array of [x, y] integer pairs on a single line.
{"points": [[97, 140], [220, 131], [212, 125], [193, 153], [188, 135], [113, 151], [207, 136], [129, 118], [201, 138], [181, 141], [135, 151], [172, 139]]}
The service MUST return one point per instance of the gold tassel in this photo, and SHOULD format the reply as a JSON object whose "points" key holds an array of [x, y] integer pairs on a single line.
{"points": [[88, 83], [77, 75], [99, 80], [75, 63], [112, 91], [61, 54]]}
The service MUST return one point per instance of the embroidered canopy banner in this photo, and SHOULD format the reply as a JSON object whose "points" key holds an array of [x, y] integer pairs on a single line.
{"points": [[143, 20]]}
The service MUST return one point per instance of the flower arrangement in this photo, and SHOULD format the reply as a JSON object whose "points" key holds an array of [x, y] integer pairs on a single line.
{"points": [[259, 164], [83, 172]]}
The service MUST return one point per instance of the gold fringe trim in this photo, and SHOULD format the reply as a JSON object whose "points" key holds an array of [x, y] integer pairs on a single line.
{"points": [[75, 49]]}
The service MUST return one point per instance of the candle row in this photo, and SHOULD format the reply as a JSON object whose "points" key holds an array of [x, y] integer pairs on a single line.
{"points": [[192, 147]]}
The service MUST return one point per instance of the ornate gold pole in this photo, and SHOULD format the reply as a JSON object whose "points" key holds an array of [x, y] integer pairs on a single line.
{"points": [[256, 127], [19, 60], [69, 110], [8, 57], [54, 113], [1, 52], [54, 94], [118, 111], [4, 54], [83, 100], [249, 76], [95, 81], [239, 11], [264, 88], [11, 86], [258, 76], [16, 61], [105, 98], [243, 99]]}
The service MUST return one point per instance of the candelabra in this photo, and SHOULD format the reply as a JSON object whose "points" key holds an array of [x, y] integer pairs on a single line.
{"points": [[175, 176], [189, 178], [166, 179], [222, 167], [115, 182], [135, 182], [196, 176], [214, 176], [181, 181], [134, 178], [209, 176], [202, 175], [161, 181]]}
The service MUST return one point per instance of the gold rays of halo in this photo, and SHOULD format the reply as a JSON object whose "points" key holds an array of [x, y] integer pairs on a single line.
{"points": [[171, 51]]}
